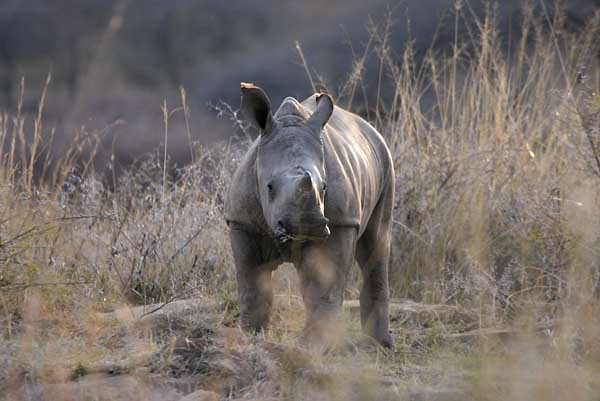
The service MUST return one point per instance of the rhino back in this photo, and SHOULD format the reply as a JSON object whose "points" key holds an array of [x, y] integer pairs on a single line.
{"points": [[358, 164]]}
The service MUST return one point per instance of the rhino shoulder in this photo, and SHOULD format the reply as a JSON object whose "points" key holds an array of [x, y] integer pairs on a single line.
{"points": [[242, 204]]}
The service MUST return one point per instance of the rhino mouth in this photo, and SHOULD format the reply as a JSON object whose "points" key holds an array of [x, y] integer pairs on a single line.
{"points": [[284, 237], [318, 230]]}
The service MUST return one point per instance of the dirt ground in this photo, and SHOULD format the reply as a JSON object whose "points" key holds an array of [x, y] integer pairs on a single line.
{"points": [[192, 350]]}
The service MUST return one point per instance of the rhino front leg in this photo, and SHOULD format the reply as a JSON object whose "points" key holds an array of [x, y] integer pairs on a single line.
{"points": [[323, 270], [253, 274]]}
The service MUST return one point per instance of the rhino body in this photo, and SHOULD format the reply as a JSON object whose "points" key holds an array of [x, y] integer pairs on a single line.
{"points": [[316, 189]]}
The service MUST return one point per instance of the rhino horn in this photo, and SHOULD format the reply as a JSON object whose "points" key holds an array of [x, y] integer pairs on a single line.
{"points": [[306, 182], [322, 113], [256, 107]]}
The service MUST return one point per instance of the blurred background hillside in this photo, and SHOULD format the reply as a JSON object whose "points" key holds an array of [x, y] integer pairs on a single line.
{"points": [[114, 62]]}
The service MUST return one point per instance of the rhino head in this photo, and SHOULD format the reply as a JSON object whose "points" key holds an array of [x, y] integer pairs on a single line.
{"points": [[290, 168]]}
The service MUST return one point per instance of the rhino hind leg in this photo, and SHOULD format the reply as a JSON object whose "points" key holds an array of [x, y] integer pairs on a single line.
{"points": [[323, 269], [253, 273], [372, 254]]}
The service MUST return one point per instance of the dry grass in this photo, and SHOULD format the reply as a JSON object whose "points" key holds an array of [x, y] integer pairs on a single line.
{"points": [[498, 218]]}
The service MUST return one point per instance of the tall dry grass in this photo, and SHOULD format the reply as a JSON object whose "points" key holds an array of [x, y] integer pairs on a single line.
{"points": [[141, 237], [73, 244], [496, 153]]}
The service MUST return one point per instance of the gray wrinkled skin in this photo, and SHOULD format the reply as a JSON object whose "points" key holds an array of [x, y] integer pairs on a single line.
{"points": [[316, 188]]}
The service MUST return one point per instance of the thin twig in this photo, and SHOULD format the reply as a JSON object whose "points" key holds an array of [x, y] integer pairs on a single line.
{"points": [[22, 286], [417, 236], [91, 216], [304, 63]]}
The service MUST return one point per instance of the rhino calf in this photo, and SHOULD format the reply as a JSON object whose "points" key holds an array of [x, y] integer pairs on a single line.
{"points": [[316, 189]]}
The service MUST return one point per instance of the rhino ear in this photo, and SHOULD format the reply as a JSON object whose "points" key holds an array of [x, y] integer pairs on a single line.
{"points": [[322, 113], [256, 107]]}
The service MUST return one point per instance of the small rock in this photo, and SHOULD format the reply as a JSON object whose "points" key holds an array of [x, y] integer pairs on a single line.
{"points": [[201, 395]]}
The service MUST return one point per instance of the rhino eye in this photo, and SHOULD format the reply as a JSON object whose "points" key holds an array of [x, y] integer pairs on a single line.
{"points": [[270, 188], [324, 186]]}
